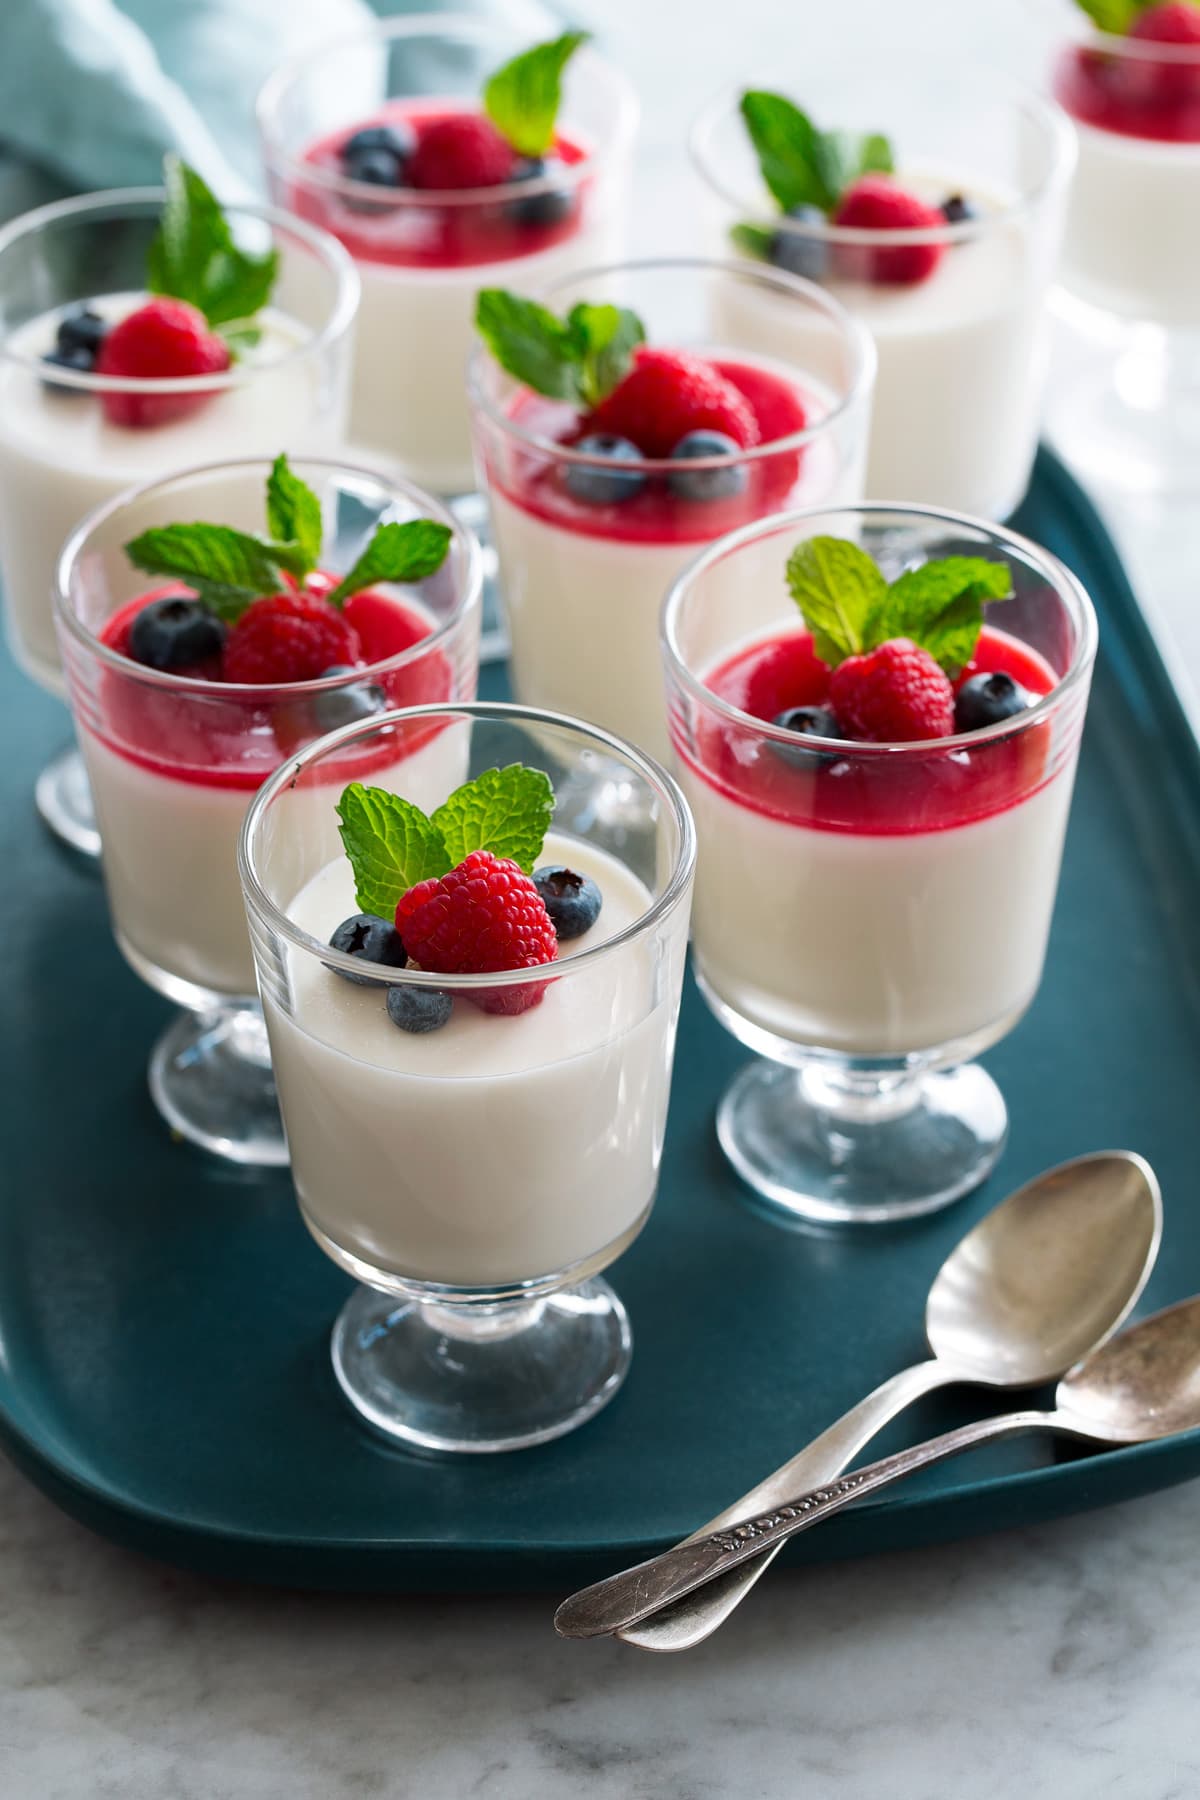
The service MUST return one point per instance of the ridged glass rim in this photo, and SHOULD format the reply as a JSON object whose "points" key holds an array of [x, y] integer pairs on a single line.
{"points": [[852, 330], [194, 687], [652, 772], [340, 263], [453, 26], [757, 208], [1065, 584]]}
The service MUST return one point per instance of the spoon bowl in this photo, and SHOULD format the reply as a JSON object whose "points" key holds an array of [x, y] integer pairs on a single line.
{"points": [[1144, 1384]]}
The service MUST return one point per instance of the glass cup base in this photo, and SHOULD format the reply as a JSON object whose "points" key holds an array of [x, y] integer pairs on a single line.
{"points": [[64, 800], [479, 1378], [210, 1078], [845, 1149]]}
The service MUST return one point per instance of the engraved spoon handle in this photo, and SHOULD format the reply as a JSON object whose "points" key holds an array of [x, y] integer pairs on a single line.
{"points": [[692, 1619], [633, 1595]]}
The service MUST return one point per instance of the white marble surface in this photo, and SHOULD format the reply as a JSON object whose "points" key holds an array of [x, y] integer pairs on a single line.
{"points": [[1056, 1664]]}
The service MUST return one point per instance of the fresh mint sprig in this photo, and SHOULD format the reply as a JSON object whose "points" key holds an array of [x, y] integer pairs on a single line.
{"points": [[801, 165], [392, 844], [228, 570], [522, 98], [193, 257], [1114, 16], [851, 608], [580, 358]]}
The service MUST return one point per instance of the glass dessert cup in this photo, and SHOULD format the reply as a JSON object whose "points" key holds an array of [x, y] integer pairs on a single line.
{"points": [[478, 1178], [60, 457], [583, 582], [423, 254], [869, 917], [174, 761], [965, 345], [1129, 412]]}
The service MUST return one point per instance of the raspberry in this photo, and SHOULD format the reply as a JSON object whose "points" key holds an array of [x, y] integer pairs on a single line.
{"points": [[483, 916], [288, 637], [667, 394], [893, 695], [1171, 22], [161, 340], [463, 151], [877, 203]]}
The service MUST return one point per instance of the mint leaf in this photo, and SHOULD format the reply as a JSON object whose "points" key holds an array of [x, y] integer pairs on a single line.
{"points": [[193, 256], [391, 846], [940, 606], [522, 99], [240, 337], [787, 144], [506, 811], [842, 156], [1115, 16], [580, 358], [875, 156], [227, 568], [840, 591], [294, 513], [396, 552], [752, 240], [607, 337]]}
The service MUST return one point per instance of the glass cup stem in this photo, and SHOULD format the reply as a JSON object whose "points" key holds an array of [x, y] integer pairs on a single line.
{"points": [[210, 1078]]}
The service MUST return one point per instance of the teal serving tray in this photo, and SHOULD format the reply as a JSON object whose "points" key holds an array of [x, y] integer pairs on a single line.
{"points": [[164, 1371]]}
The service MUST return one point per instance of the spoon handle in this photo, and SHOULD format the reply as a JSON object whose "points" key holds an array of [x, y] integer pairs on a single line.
{"points": [[631, 1596], [694, 1618]]}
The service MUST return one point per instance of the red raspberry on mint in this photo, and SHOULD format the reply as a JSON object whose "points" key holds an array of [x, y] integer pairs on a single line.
{"points": [[895, 694], [667, 394], [878, 203], [484, 916], [463, 151], [1171, 22], [288, 637], [163, 340]]}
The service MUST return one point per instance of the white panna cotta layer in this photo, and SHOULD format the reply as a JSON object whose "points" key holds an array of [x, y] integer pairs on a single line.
{"points": [[499, 1148], [1132, 243]]}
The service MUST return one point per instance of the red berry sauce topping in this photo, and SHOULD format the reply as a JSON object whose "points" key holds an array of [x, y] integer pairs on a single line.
{"points": [[927, 790], [1143, 91], [484, 916]]}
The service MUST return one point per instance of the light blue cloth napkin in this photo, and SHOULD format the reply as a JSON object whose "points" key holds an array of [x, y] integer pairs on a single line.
{"points": [[92, 92]]}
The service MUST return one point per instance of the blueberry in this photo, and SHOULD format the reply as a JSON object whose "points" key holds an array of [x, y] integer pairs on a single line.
{"points": [[605, 487], [82, 330], [797, 251], [175, 634], [956, 209], [551, 206], [382, 168], [707, 484], [418, 1009], [80, 360], [372, 940], [806, 721], [987, 700], [399, 140], [573, 901], [347, 705]]}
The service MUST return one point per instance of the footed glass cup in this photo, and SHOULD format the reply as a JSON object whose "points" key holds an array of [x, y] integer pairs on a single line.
{"points": [[477, 1178], [870, 917], [60, 456], [174, 761]]}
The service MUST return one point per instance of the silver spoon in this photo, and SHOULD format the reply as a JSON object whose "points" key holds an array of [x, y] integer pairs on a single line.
{"points": [[1143, 1384], [1047, 1275]]}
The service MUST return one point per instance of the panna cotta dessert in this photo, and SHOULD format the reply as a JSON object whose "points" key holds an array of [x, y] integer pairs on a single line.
{"points": [[936, 227], [472, 1012], [1132, 90], [881, 783], [443, 162], [195, 348], [609, 461], [199, 655]]}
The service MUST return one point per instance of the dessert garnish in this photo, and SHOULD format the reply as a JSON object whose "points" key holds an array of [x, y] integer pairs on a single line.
{"points": [[1155, 21], [456, 892], [509, 141], [259, 609], [634, 402], [900, 653], [207, 291], [843, 178]]}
